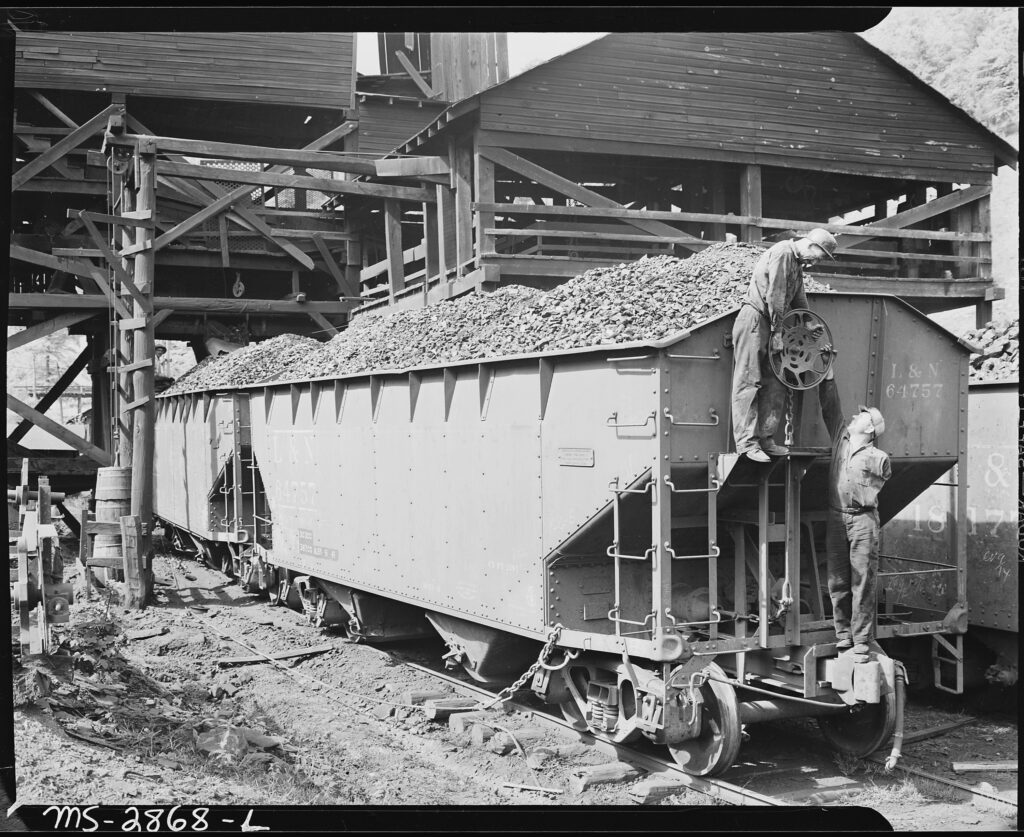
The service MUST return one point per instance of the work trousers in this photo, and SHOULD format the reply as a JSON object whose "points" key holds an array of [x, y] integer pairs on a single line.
{"points": [[851, 541], [757, 395]]}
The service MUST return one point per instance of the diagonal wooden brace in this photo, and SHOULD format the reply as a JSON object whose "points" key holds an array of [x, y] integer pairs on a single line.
{"points": [[115, 264]]}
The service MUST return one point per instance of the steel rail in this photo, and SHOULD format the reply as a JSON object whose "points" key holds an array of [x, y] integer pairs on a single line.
{"points": [[715, 788]]}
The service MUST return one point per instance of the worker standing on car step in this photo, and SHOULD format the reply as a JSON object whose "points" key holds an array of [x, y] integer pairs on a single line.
{"points": [[856, 475], [777, 285]]}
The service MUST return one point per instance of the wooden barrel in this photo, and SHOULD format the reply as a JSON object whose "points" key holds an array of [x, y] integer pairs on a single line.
{"points": [[113, 501]]}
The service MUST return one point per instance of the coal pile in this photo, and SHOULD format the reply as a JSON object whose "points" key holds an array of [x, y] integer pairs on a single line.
{"points": [[999, 359], [647, 299], [258, 362]]}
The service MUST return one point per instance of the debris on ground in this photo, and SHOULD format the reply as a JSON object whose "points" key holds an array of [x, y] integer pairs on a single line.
{"points": [[999, 358]]}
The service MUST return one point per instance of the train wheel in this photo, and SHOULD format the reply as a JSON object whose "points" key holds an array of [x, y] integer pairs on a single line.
{"points": [[716, 748], [863, 729], [580, 713]]}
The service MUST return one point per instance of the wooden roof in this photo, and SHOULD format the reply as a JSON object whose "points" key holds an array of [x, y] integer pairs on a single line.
{"points": [[821, 101], [286, 68]]}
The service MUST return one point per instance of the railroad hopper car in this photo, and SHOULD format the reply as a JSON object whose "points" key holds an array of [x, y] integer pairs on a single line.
{"points": [[927, 527], [577, 517]]}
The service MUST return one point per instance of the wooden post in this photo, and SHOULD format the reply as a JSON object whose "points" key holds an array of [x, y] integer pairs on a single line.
{"points": [[353, 264], [981, 221], [133, 545], [717, 199], [143, 383], [446, 229], [461, 163], [431, 261], [124, 352], [393, 241], [484, 190], [750, 201]]}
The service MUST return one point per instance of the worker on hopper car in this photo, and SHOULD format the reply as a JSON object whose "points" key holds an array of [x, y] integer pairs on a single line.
{"points": [[856, 475], [776, 287]]}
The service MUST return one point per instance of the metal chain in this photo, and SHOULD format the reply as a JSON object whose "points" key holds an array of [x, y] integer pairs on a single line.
{"points": [[789, 417], [545, 652]]}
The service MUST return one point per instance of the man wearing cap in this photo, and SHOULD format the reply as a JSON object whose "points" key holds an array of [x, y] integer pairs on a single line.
{"points": [[776, 287], [856, 475]]}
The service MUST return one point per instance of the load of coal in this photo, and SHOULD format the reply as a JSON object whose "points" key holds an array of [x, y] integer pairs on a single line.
{"points": [[999, 358], [256, 362], [643, 300]]}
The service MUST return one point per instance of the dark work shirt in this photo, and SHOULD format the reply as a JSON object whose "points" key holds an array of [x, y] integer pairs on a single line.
{"points": [[855, 476], [778, 282]]}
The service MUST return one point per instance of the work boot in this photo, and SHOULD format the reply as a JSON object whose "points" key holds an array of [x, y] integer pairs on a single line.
{"points": [[757, 455], [844, 644], [861, 653], [773, 449]]}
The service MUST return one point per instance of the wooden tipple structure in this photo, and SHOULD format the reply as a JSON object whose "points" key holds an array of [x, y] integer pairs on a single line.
{"points": [[642, 144], [198, 187]]}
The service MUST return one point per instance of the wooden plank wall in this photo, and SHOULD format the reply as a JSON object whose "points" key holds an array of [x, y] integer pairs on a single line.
{"points": [[809, 100], [464, 63], [290, 68], [383, 127]]}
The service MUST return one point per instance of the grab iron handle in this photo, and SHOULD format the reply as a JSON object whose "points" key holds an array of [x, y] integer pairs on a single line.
{"points": [[611, 421], [675, 490], [715, 356], [711, 412]]}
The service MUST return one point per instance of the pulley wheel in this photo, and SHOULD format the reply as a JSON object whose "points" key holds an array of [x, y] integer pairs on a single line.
{"points": [[715, 749], [862, 729], [807, 352]]}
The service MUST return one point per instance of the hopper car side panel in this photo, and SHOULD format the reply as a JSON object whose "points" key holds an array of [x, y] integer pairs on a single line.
{"points": [[192, 445], [383, 492], [926, 528]]}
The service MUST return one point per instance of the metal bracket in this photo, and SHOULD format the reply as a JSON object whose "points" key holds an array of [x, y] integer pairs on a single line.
{"points": [[611, 421]]}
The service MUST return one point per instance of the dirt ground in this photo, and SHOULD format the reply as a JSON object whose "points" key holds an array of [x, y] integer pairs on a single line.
{"points": [[131, 719]]}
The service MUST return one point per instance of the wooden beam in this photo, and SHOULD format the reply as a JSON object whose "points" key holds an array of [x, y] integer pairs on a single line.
{"points": [[45, 329], [332, 267], [393, 240], [573, 190], [327, 160], [209, 211], [916, 214], [324, 323], [117, 220], [61, 186], [771, 223], [425, 88], [52, 108], [483, 192], [751, 202], [411, 166], [55, 392], [225, 247], [58, 150], [55, 429], [295, 181], [211, 305], [461, 162], [115, 264]]}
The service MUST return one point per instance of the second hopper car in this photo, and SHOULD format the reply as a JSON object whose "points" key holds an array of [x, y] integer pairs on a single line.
{"points": [[577, 515]]}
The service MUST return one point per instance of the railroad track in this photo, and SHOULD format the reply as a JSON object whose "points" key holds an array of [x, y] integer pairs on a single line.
{"points": [[721, 790]]}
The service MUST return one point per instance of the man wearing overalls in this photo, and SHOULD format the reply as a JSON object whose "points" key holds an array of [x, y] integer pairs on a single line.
{"points": [[856, 474]]}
